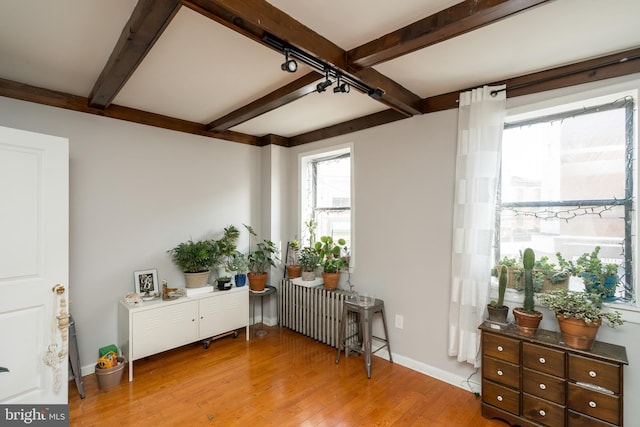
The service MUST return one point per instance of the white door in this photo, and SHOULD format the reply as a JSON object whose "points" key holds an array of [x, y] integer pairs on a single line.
{"points": [[34, 252]]}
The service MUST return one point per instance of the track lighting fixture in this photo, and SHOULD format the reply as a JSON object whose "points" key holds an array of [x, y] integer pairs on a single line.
{"points": [[289, 65], [344, 82]]}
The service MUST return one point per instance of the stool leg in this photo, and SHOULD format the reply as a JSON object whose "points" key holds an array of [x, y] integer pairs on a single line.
{"points": [[386, 334], [342, 334], [367, 340]]}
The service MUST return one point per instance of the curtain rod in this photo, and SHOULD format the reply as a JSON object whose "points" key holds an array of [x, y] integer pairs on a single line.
{"points": [[569, 73]]}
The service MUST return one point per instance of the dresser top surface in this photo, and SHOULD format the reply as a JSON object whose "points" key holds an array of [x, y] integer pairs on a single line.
{"points": [[602, 350]]}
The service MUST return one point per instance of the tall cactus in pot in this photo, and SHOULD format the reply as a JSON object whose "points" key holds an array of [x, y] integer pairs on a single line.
{"points": [[528, 261], [527, 318], [497, 310]]}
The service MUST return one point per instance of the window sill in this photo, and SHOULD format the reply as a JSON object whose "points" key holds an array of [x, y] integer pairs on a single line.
{"points": [[630, 312]]}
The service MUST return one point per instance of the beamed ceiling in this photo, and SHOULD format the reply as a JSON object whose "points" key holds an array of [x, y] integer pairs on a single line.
{"points": [[203, 67]]}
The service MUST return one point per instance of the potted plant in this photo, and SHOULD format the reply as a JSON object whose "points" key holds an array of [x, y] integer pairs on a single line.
{"points": [[239, 264], [497, 310], [293, 265], [226, 248], [309, 261], [598, 278], [260, 260], [331, 260], [195, 259], [579, 316], [527, 318]]}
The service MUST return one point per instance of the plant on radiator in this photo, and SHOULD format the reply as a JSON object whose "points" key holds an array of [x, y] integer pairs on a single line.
{"points": [[332, 260]]}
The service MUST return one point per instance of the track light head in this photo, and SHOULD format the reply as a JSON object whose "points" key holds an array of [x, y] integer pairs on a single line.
{"points": [[342, 88], [322, 86], [289, 65]]}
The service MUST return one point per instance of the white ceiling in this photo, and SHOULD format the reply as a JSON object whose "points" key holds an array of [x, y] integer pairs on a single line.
{"points": [[199, 70]]}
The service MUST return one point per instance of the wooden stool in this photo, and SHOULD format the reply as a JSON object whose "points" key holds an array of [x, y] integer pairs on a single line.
{"points": [[364, 315]]}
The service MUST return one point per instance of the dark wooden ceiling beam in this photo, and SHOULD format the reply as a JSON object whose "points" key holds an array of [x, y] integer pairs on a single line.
{"points": [[448, 23], [24, 92], [282, 96], [605, 67], [146, 24], [255, 18]]}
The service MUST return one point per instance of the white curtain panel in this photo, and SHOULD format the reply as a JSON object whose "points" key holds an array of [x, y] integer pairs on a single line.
{"points": [[480, 124]]}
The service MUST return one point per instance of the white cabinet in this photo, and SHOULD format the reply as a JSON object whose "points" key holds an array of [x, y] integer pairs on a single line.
{"points": [[157, 326]]}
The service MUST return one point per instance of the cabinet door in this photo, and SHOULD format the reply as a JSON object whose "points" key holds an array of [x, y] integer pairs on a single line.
{"points": [[163, 328], [223, 312]]}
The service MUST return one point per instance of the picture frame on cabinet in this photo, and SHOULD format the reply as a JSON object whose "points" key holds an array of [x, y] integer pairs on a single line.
{"points": [[146, 283]]}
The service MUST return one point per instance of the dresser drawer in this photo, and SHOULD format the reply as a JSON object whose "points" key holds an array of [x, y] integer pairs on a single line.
{"points": [[501, 372], [501, 397], [542, 412], [575, 419], [500, 347], [594, 372], [543, 359], [542, 385], [591, 402]]}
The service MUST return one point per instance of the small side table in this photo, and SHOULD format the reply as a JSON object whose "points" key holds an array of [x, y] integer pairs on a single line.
{"points": [[268, 290]]}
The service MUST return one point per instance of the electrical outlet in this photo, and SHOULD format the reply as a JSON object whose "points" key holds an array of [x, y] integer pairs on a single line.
{"points": [[399, 321]]}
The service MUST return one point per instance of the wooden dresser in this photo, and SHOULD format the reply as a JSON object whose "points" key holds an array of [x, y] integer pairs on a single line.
{"points": [[538, 381]]}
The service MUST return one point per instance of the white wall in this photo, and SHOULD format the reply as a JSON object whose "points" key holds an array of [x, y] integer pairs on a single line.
{"points": [[135, 192]]}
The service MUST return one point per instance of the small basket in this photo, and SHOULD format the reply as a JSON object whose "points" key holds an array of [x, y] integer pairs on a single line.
{"points": [[111, 377]]}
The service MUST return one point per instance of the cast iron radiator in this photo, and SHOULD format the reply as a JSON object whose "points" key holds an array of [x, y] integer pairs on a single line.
{"points": [[314, 312]]}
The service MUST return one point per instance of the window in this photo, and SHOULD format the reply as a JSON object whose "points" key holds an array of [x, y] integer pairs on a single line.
{"points": [[567, 185], [326, 195]]}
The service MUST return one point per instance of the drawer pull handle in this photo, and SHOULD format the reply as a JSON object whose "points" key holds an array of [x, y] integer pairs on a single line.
{"points": [[592, 404], [500, 372], [542, 413], [542, 360], [500, 348], [499, 398], [543, 387], [592, 374]]}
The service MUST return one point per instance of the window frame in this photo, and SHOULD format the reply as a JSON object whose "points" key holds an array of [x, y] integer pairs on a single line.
{"points": [[313, 157]]}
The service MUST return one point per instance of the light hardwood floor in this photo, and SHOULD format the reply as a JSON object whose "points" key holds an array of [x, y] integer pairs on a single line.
{"points": [[282, 379]]}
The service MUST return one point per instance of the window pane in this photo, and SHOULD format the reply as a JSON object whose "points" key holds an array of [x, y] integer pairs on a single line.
{"points": [[580, 158], [333, 183], [336, 224]]}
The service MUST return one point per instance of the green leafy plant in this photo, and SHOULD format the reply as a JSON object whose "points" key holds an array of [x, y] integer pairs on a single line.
{"points": [[237, 262], [309, 259], [579, 305], [293, 253], [598, 278], [264, 256], [228, 243], [195, 257], [330, 252]]}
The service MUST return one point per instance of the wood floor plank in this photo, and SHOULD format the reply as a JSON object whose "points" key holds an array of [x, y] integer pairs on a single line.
{"points": [[282, 379]]}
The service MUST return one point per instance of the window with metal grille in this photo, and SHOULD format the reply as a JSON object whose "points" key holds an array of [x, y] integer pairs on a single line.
{"points": [[567, 186]]}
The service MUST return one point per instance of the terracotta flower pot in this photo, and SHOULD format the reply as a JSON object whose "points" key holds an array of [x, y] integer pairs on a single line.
{"points": [[526, 323], [576, 333], [257, 281], [330, 280], [294, 271]]}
